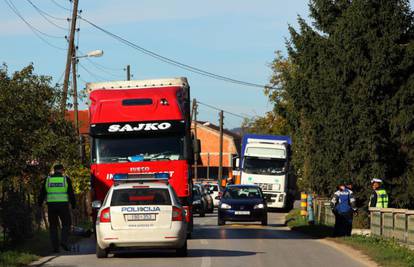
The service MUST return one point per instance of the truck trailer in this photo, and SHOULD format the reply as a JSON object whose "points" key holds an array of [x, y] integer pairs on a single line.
{"points": [[265, 162], [141, 129]]}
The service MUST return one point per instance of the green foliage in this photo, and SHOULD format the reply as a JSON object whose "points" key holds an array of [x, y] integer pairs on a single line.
{"points": [[384, 252], [15, 258], [34, 135], [347, 99]]}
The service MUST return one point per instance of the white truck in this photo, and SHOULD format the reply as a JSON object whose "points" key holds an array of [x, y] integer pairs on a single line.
{"points": [[265, 162]]}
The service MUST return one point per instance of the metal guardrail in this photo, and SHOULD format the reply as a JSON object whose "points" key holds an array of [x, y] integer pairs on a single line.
{"points": [[393, 223], [323, 212]]}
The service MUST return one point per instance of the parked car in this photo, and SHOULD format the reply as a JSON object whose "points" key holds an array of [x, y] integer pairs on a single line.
{"points": [[199, 203], [209, 200], [242, 203], [214, 190]]}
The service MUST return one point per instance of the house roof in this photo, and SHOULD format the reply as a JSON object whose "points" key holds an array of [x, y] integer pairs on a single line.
{"points": [[83, 117]]}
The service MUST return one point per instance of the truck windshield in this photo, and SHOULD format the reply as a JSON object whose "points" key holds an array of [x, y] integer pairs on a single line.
{"points": [[136, 149], [254, 165]]}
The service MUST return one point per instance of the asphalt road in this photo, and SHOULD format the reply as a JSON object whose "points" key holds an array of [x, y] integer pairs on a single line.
{"points": [[230, 245]]}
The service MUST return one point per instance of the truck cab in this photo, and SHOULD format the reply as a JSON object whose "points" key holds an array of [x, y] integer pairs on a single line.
{"points": [[265, 162], [140, 128]]}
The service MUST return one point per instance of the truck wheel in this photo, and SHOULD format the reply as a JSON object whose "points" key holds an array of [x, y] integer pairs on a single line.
{"points": [[264, 221], [183, 251], [101, 253], [221, 222]]}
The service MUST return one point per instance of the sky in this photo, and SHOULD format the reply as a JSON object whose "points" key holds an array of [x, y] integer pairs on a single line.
{"points": [[234, 38]]}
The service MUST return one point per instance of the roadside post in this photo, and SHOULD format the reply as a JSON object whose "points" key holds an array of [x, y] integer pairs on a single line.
{"points": [[303, 204], [311, 217]]}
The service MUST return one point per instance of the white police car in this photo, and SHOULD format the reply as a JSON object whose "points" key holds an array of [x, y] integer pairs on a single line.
{"points": [[144, 214]]}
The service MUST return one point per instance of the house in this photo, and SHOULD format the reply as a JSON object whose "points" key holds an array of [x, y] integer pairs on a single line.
{"points": [[209, 136]]}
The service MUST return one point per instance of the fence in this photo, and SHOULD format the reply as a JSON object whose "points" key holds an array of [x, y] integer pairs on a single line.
{"points": [[393, 223], [323, 212]]}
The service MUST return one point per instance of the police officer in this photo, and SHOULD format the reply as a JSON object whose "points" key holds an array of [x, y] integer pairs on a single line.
{"points": [[343, 206], [379, 197], [58, 191]]}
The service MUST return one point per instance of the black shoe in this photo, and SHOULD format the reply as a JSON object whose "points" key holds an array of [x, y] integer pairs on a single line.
{"points": [[65, 247]]}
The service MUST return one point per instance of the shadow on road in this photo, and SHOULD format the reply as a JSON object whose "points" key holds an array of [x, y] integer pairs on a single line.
{"points": [[196, 253], [246, 232]]}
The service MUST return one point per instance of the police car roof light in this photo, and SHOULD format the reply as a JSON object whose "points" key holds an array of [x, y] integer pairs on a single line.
{"points": [[124, 178]]}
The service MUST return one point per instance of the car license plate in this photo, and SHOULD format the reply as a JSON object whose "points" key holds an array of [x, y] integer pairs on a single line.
{"points": [[242, 212], [140, 217]]}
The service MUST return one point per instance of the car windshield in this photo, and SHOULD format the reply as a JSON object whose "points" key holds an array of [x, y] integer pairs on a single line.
{"points": [[242, 193], [264, 166], [141, 196], [134, 149]]}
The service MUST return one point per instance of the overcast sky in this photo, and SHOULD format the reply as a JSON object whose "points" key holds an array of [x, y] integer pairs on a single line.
{"points": [[235, 38]]}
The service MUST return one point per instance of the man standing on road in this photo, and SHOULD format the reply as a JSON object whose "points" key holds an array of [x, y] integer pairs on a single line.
{"points": [[343, 206], [58, 191], [379, 197]]}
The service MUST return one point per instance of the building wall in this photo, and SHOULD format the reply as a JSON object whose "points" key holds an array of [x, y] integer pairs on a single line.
{"points": [[210, 146]]}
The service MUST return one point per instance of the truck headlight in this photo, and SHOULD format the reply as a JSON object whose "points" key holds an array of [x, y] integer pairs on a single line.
{"points": [[225, 206], [259, 206], [196, 202]]}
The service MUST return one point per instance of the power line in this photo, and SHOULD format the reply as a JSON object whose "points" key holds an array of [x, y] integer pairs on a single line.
{"points": [[101, 67], [220, 109], [44, 15], [96, 76], [174, 62], [36, 31], [59, 5]]}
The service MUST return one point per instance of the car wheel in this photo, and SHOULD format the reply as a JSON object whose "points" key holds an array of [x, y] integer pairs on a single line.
{"points": [[221, 222], [264, 221], [183, 251], [101, 253]]}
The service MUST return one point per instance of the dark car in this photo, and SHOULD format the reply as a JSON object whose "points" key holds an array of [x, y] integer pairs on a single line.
{"points": [[208, 198], [199, 203], [242, 203]]}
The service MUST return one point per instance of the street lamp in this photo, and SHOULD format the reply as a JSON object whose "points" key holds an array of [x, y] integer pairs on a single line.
{"points": [[94, 53]]}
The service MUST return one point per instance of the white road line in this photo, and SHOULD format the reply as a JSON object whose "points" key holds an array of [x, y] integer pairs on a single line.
{"points": [[205, 261]]}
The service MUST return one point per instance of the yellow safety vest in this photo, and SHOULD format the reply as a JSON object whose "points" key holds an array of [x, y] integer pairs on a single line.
{"points": [[382, 198], [57, 189]]}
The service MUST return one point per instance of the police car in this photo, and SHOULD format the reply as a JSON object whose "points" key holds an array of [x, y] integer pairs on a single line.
{"points": [[140, 214]]}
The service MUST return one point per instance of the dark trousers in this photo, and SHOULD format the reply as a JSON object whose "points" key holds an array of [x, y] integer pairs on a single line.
{"points": [[343, 224], [56, 212]]}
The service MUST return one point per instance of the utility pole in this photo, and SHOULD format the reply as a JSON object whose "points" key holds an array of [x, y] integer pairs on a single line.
{"points": [[220, 173], [128, 70], [195, 139], [69, 56], [75, 92]]}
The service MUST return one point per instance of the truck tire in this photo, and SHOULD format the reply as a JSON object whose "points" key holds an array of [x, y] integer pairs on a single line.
{"points": [[101, 253], [183, 251]]}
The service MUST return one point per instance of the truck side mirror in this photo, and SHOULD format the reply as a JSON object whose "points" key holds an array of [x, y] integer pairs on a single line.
{"points": [[96, 204]]}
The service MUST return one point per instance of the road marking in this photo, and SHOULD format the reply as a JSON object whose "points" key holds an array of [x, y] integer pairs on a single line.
{"points": [[203, 242], [205, 261]]}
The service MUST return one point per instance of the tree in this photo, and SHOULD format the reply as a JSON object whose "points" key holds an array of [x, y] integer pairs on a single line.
{"points": [[34, 135], [347, 95]]}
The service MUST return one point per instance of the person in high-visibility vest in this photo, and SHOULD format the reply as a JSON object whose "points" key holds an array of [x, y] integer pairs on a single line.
{"points": [[57, 190], [379, 197]]}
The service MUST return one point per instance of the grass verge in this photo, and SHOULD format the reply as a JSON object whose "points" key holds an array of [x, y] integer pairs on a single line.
{"points": [[384, 252], [28, 251]]}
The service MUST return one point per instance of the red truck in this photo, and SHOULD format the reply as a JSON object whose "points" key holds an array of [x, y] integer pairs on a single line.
{"points": [[141, 129]]}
